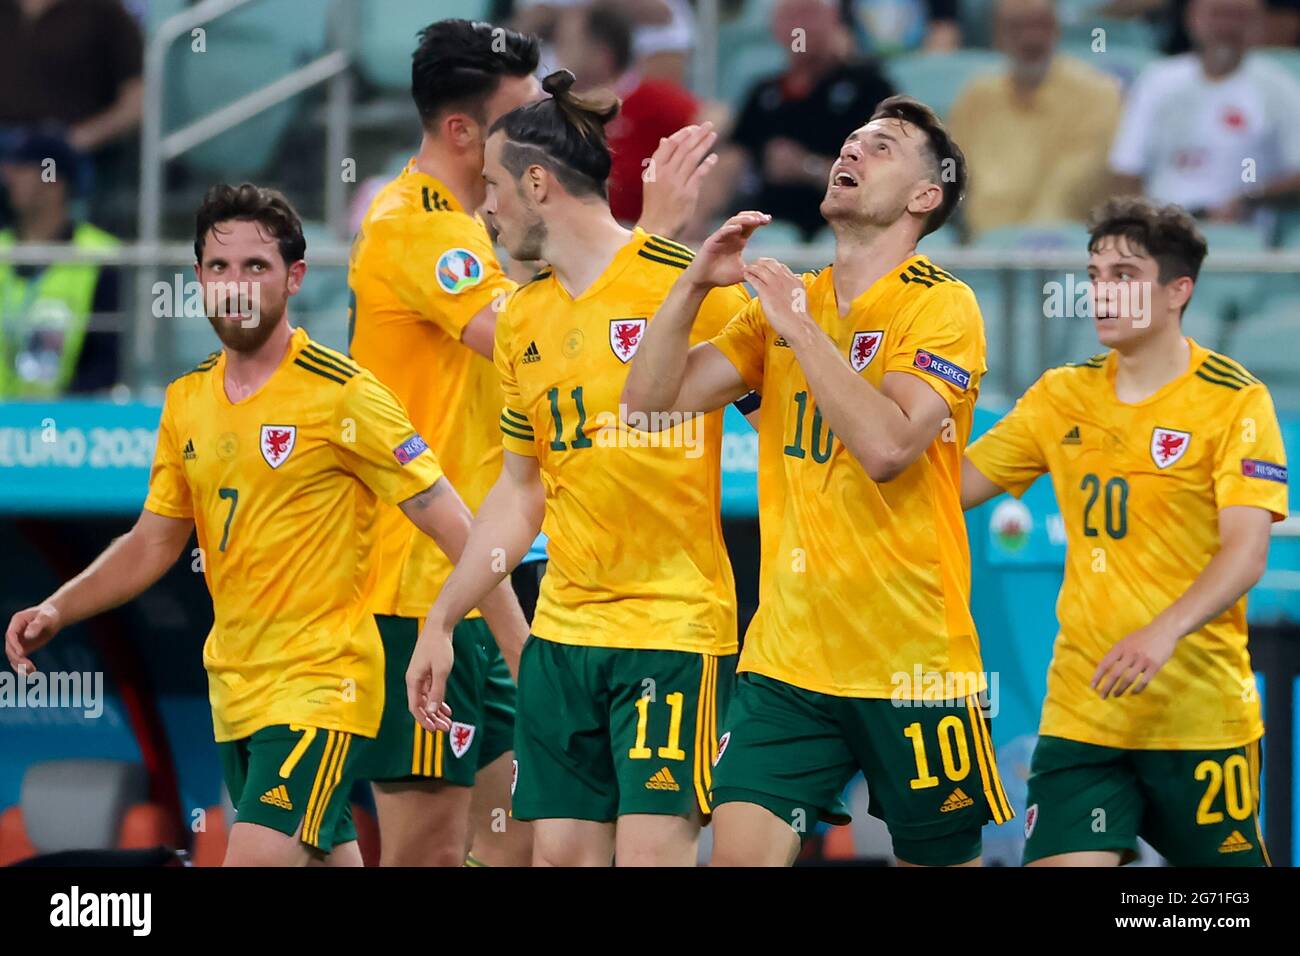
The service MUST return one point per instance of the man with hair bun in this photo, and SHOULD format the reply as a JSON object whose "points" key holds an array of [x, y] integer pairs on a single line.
{"points": [[427, 289], [629, 665]]}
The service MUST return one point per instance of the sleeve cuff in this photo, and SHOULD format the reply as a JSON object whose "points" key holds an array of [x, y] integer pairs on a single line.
{"points": [[165, 509], [517, 433]]}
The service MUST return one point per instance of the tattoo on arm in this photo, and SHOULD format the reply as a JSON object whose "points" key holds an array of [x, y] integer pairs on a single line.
{"points": [[425, 498]]}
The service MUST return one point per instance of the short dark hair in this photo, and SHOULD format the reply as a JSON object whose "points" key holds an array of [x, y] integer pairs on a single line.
{"points": [[611, 28], [564, 133], [947, 161], [1168, 234], [248, 203], [459, 64]]}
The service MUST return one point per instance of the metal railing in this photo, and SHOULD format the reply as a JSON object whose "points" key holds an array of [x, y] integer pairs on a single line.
{"points": [[1021, 351], [157, 149]]}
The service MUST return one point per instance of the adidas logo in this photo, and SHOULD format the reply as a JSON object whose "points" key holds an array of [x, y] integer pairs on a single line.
{"points": [[1235, 843], [278, 797], [781, 343], [1072, 437], [189, 450], [957, 800], [663, 780], [531, 354]]}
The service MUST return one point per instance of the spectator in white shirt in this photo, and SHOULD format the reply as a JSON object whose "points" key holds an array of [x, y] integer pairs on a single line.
{"points": [[1216, 130]]}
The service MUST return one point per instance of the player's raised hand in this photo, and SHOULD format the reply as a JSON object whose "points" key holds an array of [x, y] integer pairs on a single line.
{"points": [[1133, 661], [718, 262], [671, 180], [781, 294], [426, 680], [29, 630]]}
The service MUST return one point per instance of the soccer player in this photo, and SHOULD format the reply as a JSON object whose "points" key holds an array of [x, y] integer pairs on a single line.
{"points": [[427, 290], [869, 371], [1168, 467], [277, 450], [634, 638]]}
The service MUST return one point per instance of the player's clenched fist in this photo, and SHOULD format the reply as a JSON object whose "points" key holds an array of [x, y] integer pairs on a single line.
{"points": [[719, 261], [30, 630], [426, 680]]}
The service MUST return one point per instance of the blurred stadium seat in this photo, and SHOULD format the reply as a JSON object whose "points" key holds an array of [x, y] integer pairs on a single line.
{"points": [[1081, 23], [1221, 298], [160, 10], [84, 805], [386, 35], [239, 60], [1268, 344], [939, 242], [1288, 58], [300, 25], [936, 78], [776, 234], [1122, 62], [322, 305], [1067, 338]]}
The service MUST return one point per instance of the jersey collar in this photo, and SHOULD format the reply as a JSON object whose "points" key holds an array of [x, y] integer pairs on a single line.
{"points": [[433, 192], [622, 259], [864, 298], [297, 342], [1196, 355]]}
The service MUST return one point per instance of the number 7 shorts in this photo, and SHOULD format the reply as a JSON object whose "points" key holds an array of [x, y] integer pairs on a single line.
{"points": [[290, 776]]}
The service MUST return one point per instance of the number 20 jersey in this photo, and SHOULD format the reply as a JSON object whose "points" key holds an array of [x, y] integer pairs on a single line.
{"points": [[1140, 487]]}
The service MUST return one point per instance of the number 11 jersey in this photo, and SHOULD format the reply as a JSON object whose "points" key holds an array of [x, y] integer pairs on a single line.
{"points": [[637, 558]]}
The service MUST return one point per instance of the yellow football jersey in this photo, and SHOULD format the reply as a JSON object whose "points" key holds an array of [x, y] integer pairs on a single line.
{"points": [[421, 268], [862, 583], [637, 558], [282, 487], [1140, 487]]}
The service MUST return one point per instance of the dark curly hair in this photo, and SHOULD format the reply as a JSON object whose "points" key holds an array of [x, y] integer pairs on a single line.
{"points": [[1168, 234], [249, 203]]}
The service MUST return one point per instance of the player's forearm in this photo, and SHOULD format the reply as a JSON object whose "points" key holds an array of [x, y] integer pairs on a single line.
{"points": [[976, 488], [497, 540], [869, 423], [449, 522], [505, 619], [124, 570], [655, 379], [1233, 571]]}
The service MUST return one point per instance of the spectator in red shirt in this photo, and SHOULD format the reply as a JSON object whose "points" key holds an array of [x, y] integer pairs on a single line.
{"points": [[595, 43]]}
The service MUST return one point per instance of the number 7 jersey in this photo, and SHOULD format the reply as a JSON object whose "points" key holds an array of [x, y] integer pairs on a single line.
{"points": [[1140, 487], [283, 488], [637, 558]]}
